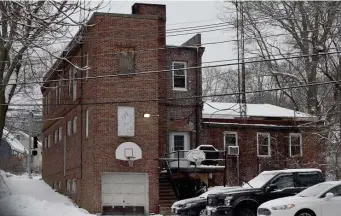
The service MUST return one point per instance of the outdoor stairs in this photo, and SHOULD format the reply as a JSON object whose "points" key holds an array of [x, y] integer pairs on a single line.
{"points": [[167, 194]]}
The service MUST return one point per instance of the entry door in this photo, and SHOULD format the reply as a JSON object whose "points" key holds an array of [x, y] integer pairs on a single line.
{"points": [[179, 141]]}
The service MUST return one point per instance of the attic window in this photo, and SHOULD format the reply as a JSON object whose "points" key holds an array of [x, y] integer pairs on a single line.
{"points": [[126, 61]]}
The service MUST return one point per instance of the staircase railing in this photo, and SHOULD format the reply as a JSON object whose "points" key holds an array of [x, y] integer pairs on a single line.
{"points": [[170, 178]]}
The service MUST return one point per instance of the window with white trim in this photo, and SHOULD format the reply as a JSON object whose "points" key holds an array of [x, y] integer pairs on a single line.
{"points": [[179, 74], [230, 139], [49, 142], [55, 136], [87, 64], [263, 145], [70, 81], [295, 140], [74, 84], [69, 128], [86, 123], [60, 134], [68, 186], [74, 125], [74, 186]]}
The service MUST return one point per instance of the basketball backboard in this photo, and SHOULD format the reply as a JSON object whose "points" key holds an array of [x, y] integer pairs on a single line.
{"points": [[196, 156], [128, 151]]}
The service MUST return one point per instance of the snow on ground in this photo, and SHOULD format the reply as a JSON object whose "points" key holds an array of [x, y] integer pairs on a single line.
{"points": [[22, 196]]}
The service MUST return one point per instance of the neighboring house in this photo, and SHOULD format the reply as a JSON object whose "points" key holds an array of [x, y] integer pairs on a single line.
{"points": [[79, 146], [269, 137], [23, 138], [11, 149]]}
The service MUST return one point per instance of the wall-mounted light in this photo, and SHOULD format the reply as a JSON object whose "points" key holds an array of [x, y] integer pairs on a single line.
{"points": [[146, 115]]}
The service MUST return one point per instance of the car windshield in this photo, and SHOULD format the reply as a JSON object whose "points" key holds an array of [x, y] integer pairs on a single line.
{"points": [[260, 180], [315, 190]]}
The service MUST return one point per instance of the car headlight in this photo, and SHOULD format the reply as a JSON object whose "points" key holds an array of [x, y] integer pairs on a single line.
{"points": [[283, 207], [188, 205], [228, 200]]}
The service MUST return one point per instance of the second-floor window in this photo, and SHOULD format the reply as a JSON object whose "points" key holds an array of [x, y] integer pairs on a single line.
{"points": [[263, 145], [69, 128], [55, 136], [86, 64], [126, 60], [295, 140], [74, 125], [60, 134], [49, 141], [179, 75]]}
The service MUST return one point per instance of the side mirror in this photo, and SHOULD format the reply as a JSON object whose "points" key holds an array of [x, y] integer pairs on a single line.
{"points": [[271, 188], [329, 196]]}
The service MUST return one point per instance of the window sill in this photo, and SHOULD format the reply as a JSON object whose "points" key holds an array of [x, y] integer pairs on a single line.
{"points": [[264, 156], [180, 89]]}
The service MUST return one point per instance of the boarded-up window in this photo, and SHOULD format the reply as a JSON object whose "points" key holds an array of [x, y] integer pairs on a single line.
{"points": [[126, 60]]}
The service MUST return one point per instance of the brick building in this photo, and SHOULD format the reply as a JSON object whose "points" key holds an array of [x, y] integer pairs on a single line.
{"points": [[269, 137], [120, 62]]}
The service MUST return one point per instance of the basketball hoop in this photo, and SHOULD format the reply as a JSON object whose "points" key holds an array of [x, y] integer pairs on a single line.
{"points": [[130, 161]]}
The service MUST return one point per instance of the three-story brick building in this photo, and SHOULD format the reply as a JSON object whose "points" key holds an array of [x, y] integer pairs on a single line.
{"points": [[121, 61]]}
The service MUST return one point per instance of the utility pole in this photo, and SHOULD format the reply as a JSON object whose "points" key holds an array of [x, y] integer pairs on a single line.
{"points": [[30, 125]]}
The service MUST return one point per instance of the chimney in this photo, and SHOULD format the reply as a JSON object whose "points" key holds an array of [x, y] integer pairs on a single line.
{"points": [[150, 9]]}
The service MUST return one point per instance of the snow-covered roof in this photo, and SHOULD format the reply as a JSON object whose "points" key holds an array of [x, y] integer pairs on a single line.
{"points": [[231, 110], [13, 142]]}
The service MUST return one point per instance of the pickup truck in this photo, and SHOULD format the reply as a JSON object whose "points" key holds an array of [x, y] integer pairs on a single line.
{"points": [[268, 185]]}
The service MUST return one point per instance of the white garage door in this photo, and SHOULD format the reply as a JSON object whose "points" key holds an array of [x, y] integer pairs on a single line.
{"points": [[125, 189]]}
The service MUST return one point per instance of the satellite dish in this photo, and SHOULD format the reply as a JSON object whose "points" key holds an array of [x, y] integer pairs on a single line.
{"points": [[196, 156]]}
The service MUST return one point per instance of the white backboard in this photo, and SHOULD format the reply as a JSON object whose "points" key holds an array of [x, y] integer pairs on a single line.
{"points": [[196, 156], [128, 149], [125, 121]]}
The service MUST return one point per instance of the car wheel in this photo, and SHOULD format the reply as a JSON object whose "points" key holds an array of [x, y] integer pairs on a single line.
{"points": [[246, 212], [202, 212], [305, 213]]}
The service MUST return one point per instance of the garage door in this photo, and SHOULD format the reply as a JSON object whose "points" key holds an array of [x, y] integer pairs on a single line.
{"points": [[125, 192]]}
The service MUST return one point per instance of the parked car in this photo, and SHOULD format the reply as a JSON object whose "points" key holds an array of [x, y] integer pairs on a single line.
{"points": [[323, 199], [197, 205], [211, 154], [268, 185]]}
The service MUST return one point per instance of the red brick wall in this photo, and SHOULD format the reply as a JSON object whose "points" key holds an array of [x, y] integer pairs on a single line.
{"points": [[250, 164]]}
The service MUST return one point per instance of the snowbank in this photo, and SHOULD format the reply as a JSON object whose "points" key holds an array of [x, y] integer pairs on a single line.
{"points": [[34, 197]]}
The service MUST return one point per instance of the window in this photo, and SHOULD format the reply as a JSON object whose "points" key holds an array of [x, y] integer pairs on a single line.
{"points": [[263, 145], [284, 182], [49, 142], [55, 136], [87, 64], [70, 81], [60, 185], [56, 94], [179, 75], [336, 191], [86, 123], [295, 140], [45, 143], [309, 179], [74, 84], [60, 134], [74, 125], [179, 145], [126, 61], [74, 186], [68, 186], [59, 91], [230, 139], [69, 128]]}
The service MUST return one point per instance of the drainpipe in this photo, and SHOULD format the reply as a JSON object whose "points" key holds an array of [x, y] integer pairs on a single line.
{"points": [[197, 101]]}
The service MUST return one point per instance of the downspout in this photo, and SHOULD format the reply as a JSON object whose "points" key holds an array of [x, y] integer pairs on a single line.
{"points": [[197, 101]]}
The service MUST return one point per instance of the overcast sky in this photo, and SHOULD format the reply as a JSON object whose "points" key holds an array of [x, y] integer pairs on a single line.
{"points": [[182, 14]]}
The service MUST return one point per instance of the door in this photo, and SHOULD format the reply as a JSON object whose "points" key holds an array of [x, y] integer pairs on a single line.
{"points": [[332, 206], [125, 193], [178, 147], [282, 186]]}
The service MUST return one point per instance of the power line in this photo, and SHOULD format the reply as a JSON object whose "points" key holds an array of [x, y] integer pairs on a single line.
{"points": [[182, 98]]}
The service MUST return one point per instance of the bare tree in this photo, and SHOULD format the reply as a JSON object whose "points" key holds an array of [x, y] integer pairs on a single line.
{"points": [[29, 30]]}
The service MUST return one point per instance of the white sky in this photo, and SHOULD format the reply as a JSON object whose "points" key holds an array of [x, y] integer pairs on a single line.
{"points": [[180, 13]]}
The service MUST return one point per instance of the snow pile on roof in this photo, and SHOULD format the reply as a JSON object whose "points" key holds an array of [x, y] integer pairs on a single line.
{"points": [[13, 142], [34, 197], [230, 110]]}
